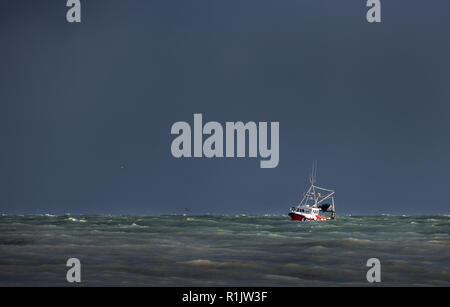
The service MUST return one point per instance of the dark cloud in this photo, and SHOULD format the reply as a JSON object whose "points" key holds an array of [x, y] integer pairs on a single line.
{"points": [[370, 102]]}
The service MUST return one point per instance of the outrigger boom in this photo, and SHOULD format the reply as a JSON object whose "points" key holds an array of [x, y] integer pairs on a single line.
{"points": [[313, 201]]}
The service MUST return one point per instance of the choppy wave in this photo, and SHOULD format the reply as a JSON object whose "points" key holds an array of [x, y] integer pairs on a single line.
{"points": [[221, 250]]}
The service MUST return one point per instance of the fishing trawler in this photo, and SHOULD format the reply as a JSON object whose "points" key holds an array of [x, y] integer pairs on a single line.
{"points": [[313, 204]]}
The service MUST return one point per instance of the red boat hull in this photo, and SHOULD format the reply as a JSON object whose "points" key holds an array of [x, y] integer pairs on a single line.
{"points": [[299, 217]]}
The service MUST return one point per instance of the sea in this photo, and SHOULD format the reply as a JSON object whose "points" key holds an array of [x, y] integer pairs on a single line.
{"points": [[224, 250]]}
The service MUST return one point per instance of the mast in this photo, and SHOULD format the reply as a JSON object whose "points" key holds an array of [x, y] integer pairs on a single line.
{"points": [[313, 181]]}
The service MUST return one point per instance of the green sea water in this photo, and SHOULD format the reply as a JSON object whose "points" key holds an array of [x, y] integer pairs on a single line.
{"points": [[224, 250]]}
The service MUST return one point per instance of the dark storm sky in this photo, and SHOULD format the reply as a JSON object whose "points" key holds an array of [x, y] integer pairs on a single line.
{"points": [[370, 102]]}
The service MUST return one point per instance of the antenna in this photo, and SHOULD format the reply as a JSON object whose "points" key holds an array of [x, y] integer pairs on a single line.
{"points": [[313, 172]]}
